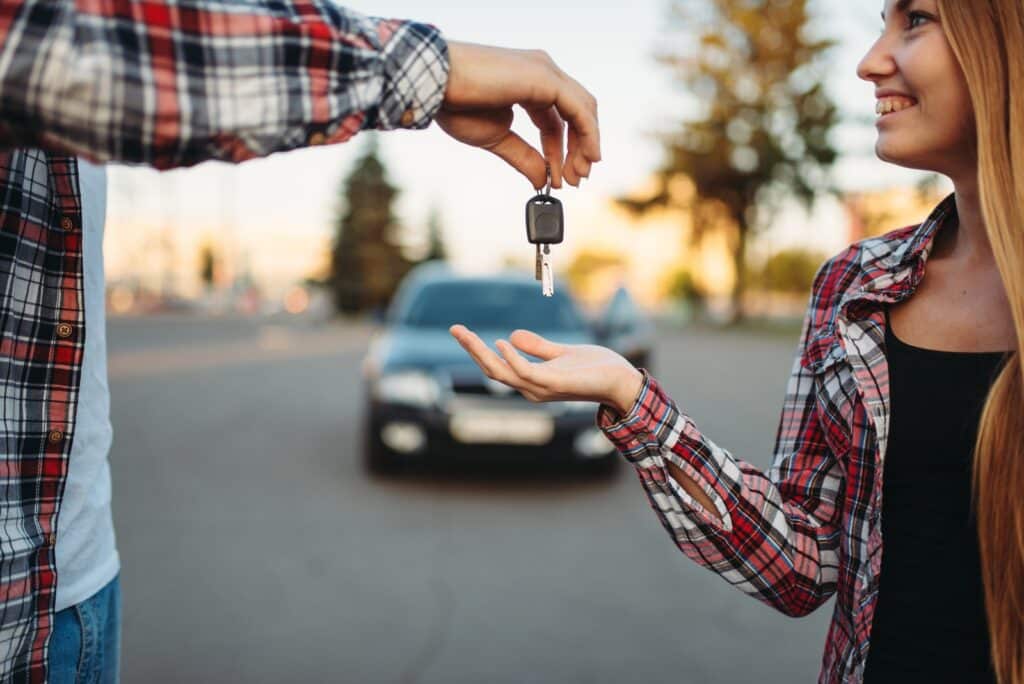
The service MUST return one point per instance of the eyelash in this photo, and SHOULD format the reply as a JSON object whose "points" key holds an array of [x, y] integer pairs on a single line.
{"points": [[911, 16]]}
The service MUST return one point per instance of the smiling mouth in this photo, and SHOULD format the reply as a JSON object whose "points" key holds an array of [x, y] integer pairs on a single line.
{"points": [[893, 105]]}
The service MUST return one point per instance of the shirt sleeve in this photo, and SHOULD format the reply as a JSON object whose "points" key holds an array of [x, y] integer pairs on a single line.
{"points": [[173, 83], [774, 536]]}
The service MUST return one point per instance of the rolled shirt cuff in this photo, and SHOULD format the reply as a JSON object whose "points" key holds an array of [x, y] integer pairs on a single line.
{"points": [[629, 433], [416, 66]]}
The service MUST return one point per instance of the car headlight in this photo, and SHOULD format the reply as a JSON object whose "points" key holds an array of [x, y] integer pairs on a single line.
{"points": [[413, 388]]}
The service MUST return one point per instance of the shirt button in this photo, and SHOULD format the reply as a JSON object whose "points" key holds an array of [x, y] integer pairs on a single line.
{"points": [[55, 436], [51, 539], [317, 138], [64, 330], [407, 118], [67, 224]]}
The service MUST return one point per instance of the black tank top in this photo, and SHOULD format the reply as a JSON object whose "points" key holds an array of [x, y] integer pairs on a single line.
{"points": [[929, 623]]}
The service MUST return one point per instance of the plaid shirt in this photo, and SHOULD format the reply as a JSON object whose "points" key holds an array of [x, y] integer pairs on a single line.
{"points": [[167, 83], [810, 527]]}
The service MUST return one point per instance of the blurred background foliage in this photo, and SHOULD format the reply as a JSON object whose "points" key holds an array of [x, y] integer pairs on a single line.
{"points": [[369, 258], [790, 271], [762, 131]]}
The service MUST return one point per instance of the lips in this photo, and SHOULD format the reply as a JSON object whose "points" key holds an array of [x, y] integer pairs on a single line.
{"points": [[890, 104]]}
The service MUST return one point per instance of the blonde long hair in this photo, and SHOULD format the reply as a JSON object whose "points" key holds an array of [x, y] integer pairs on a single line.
{"points": [[987, 37]]}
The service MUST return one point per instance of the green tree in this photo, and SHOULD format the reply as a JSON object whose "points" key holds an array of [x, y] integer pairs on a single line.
{"points": [[761, 132], [589, 263], [791, 271], [367, 263], [683, 287]]}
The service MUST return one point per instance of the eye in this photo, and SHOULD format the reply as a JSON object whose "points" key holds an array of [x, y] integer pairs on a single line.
{"points": [[916, 19]]}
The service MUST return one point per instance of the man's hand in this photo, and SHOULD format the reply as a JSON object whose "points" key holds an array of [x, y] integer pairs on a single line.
{"points": [[567, 372], [483, 85]]}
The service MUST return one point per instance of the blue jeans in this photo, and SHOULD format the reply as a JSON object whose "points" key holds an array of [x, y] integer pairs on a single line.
{"points": [[85, 645]]}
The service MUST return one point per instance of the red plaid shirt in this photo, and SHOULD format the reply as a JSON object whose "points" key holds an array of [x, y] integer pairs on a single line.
{"points": [[167, 83], [809, 528]]}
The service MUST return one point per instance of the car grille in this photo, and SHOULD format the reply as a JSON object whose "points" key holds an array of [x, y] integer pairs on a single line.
{"points": [[469, 387], [472, 383]]}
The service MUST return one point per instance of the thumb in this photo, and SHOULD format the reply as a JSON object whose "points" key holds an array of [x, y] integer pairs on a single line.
{"points": [[535, 345], [521, 156]]}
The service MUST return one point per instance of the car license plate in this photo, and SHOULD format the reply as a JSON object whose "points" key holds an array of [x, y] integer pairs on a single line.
{"points": [[505, 427]]}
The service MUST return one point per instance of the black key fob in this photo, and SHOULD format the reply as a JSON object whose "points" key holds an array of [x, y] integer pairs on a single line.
{"points": [[545, 223]]}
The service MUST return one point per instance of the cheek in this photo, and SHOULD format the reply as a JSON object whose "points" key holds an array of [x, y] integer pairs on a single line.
{"points": [[967, 133], [952, 115], [948, 99], [933, 74]]}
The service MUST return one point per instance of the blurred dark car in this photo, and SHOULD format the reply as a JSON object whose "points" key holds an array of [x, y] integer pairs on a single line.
{"points": [[425, 398], [625, 328]]}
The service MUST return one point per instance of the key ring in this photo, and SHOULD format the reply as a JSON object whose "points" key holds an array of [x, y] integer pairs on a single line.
{"points": [[547, 188]]}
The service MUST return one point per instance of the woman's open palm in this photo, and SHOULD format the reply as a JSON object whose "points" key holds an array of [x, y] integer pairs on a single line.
{"points": [[582, 372]]}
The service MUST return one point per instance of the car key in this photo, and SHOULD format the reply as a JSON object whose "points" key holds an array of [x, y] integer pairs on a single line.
{"points": [[545, 226]]}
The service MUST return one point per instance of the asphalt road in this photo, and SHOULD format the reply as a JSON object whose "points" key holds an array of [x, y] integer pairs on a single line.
{"points": [[256, 549]]}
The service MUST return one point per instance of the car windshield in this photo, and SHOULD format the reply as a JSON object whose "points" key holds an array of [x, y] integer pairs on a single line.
{"points": [[491, 306]]}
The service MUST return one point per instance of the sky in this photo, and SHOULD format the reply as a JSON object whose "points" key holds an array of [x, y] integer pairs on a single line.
{"points": [[279, 211]]}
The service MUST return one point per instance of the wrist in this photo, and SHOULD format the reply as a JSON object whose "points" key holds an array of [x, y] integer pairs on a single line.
{"points": [[627, 389]]}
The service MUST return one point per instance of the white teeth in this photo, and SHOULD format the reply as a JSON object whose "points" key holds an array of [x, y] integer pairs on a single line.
{"points": [[888, 105]]}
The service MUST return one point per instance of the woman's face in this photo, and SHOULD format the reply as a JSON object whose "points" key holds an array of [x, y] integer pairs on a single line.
{"points": [[925, 119]]}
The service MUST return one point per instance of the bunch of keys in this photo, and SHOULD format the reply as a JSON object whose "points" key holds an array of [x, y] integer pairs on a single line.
{"points": [[545, 227]]}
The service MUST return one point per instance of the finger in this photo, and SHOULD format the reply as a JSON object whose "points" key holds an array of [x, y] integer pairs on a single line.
{"points": [[575, 105], [569, 169], [494, 366], [522, 157], [552, 136], [530, 373], [488, 361], [533, 344], [582, 167], [579, 164], [579, 109]]}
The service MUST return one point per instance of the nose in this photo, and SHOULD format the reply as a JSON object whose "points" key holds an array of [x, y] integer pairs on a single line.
{"points": [[878, 63]]}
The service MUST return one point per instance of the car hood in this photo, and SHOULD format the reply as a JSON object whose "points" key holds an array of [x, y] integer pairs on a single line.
{"points": [[430, 349]]}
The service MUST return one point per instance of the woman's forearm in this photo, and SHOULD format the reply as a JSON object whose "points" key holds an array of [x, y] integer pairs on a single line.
{"points": [[627, 391]]}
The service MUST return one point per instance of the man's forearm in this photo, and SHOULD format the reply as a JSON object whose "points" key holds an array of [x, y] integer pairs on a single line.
{"points": [[174, 84]]}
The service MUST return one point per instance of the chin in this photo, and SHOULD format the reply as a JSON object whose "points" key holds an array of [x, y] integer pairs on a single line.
{"points": [[903, 155]]}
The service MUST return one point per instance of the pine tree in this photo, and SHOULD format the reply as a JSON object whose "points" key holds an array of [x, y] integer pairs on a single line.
{"points": [[367, 264], [762, 133]]}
